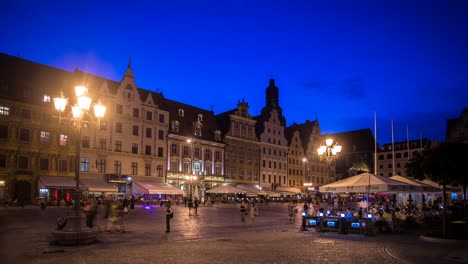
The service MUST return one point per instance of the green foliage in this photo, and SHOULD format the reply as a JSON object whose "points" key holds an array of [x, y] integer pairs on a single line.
{"points": [[359, 167]]}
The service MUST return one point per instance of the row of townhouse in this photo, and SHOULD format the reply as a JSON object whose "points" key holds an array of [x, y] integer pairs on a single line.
{"points": [[143, 137]]}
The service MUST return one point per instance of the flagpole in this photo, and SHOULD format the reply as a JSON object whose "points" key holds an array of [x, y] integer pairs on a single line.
{"points": [[375, 158], [407, 141]]}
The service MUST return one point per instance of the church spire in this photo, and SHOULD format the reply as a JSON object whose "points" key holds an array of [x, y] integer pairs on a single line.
{"points": [[272, 94], [129, 71]]}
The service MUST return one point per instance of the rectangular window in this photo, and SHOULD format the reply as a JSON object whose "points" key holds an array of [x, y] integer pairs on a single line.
{"points": [[207, 154], [4, 110], [185, 151], [173, 149], [25, 134], [25, 113], [160, 170], [147, 169], [197, 152], [117, 166], [217, 155], [147, 150], [85, 142], [160, 152], [135, 130], [149, 115], [103, 125], [148, 132], [134, 168], [45, 137], [101, 165], [102, 143], [2, 161], [136, 112], [118, 146], [84, 164], [119, 109], [161, 134], [23, 162], [135, 148], [174, 166], [3, 131], [118, 127], [43, 164], [161, 118], [63, 165]]}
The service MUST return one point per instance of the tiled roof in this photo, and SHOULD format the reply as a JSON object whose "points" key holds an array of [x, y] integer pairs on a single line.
{"points": [[191, 115]]}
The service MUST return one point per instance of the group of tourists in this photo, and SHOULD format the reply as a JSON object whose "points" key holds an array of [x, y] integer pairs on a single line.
{"points": [[248, 208]]}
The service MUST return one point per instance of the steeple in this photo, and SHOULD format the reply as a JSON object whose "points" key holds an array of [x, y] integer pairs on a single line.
{"points": [[272, 94], [129, 71]]}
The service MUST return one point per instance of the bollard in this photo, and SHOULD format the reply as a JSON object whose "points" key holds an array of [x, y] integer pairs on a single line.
{"points": [[303, 225], [342, 225], [369, 225]]}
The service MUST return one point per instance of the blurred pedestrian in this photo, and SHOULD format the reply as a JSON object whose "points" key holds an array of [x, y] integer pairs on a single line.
{"points": [[190, 206], [253, 211], [195, 206], [90, 210], [115, 218], [169, 216], [132, 205], [243, 211]]}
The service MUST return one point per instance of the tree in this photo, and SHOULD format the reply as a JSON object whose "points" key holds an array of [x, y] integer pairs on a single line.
{"points": [[446, 164], [358, 167]]}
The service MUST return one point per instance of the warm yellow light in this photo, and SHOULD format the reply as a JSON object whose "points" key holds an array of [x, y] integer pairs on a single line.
{"points": [[81, 90], [2, 183], [329, 141], [321, 150], [304, 159], [84, 102], [77, 111], [99, 110], [60, 103], [189, 140], [337, 148]]}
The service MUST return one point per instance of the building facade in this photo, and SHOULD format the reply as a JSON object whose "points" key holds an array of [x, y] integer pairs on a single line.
{"points": [[393, 157], [273, 144], [194, 148], [128, 144], [296, 159], [242, 145], [457, 129]]}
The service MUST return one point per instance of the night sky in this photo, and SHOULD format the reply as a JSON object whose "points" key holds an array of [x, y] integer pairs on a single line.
{"points": [[340, 61]]}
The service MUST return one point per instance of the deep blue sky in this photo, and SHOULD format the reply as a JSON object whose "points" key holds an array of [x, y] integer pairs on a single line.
{"points": [[338, 60]]}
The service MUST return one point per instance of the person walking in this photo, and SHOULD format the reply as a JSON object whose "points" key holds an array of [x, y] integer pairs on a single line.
{"points": [[190, 206], [243, 211], [132, 205], [90, 210], [169, 216], [290, 210], [253, 211], [195, 206]]}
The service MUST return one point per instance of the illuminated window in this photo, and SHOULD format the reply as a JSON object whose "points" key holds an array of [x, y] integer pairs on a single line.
{"points": [[4, 110], [46, 98], [84, 164], [63, 139], [45, 137]]}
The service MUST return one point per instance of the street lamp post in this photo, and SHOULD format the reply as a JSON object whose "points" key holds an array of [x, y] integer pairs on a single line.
{"points": [[75, 232], [329, 152]]}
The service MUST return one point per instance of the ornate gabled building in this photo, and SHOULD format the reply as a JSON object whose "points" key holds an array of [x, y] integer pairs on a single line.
{"points": [[195, 148], [242, 150], [273, 144], [316, 173], [296, 158], [37, 153], [357, 152]]}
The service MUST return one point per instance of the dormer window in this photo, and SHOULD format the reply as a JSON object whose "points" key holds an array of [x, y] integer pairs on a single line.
{"points": [[175, 126], [218, 135], [200, 118], [181, 112], [198, 131]]}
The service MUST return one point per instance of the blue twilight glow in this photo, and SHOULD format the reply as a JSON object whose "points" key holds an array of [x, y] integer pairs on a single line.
{"points": [[339, 60]]}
